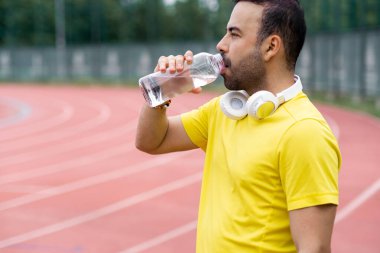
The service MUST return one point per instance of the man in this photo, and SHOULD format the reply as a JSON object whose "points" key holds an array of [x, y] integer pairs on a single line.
{"points": [[270, 184]]}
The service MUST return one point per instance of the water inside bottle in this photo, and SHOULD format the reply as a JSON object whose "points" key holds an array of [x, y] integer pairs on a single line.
{"points": [[170, 87], [203, 80]]}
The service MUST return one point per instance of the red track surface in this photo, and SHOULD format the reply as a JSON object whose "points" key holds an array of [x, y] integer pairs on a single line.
{"points": [[71, 180]]}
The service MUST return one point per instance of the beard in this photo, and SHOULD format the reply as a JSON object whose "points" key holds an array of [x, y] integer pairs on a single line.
{"points": [[249, 74]]}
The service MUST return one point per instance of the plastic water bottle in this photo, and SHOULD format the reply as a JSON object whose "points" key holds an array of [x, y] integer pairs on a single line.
{"points": [[158, 87]]}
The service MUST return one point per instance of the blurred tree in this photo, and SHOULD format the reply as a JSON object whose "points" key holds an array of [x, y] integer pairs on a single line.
{"points": [[32, 22], [341, 16], [219, 18], [26, 22], [43, 23], [372, 13], [81, 17], [145, 20], [190, 20]]}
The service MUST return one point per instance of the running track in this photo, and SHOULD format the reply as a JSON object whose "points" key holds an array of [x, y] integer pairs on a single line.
{"points": [[71, 180]]}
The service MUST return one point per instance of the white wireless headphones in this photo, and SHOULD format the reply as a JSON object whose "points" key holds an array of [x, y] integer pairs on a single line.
{"points": [[238, 104]]}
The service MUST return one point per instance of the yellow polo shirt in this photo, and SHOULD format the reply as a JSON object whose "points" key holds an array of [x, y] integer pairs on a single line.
{"points": [[257, 170]]}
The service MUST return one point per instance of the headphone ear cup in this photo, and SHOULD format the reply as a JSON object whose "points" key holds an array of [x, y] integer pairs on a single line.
{"points": [[262, 104], [233, 104]]}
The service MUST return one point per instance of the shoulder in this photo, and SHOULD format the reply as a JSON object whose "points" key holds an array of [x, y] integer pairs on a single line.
{"points": [[301, 108], [307, 132], [304, 119]]}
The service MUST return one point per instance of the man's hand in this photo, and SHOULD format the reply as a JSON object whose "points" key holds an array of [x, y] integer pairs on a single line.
{"points": [[176, 64], [157, 133]]}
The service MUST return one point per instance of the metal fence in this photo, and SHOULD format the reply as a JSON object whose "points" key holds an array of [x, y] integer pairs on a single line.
{"points": [[101, 63], [341, 64]]}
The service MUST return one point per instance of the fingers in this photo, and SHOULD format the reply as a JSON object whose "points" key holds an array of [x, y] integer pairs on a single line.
{"points": [[163, 62], [196, 90], [174, 63], [179, 59], [189, 57]]}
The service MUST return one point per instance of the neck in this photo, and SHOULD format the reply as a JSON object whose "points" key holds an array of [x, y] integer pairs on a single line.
{"points": [[277, 78], [277, 83]]}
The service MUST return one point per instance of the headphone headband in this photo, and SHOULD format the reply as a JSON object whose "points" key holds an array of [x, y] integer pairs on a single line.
{"points": [[290, 92]]}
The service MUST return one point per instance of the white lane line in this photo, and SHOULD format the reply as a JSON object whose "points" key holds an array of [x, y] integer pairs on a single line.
{"points": [[368, 192], [22, 109], [162, 238], [67, 165], [66, 114], [103, 115], [341, 215], [67, 146], [90, 181], [358, 201], [73, 163], [107, 210], [22, 188]]}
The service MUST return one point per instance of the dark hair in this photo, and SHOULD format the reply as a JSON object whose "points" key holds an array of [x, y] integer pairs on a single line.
{"points": [[286, 19]]}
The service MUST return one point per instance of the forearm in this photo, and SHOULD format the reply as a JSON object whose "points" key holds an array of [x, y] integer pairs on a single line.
{"points": [[151, 130], [312, 228], [156, 133]]}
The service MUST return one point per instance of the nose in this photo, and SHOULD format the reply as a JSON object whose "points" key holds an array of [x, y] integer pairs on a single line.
{"points": [[222, 45]]}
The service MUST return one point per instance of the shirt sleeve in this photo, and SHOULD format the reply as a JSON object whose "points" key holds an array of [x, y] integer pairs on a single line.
{"points": [[309, 161], [196, 124]]}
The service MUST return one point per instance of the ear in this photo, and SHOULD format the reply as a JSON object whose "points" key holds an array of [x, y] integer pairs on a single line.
{"points": [[271, 46]]}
